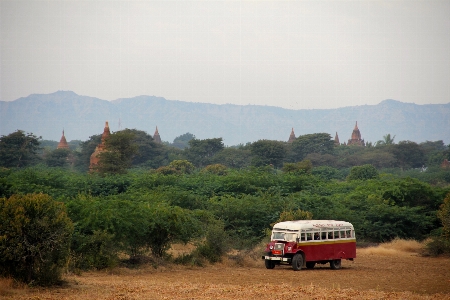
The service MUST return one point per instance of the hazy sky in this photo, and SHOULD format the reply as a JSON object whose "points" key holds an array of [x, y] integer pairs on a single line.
{"points": [[293, 54]]}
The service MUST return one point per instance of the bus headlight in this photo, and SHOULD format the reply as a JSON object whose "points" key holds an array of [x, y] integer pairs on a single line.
{"points": [[271, 247]]}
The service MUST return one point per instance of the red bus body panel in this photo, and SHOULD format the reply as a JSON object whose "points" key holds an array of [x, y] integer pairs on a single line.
{"points": [[316, 251]]}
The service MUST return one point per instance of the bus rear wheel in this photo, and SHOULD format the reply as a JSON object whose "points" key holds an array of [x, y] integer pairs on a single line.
{"points": [[297, 262], [310, 264], [335, 264], [270, 264]]}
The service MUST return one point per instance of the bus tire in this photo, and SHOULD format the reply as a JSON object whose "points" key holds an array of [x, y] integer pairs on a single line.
{"points": [[335, 264], [297, 262], [310, 264], [270, 264]]}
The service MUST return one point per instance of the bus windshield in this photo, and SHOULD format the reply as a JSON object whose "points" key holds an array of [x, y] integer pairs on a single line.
{"points": [[284, 236]]}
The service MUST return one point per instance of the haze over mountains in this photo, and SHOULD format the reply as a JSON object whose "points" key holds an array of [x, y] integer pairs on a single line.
{"points": [[47, 115]]}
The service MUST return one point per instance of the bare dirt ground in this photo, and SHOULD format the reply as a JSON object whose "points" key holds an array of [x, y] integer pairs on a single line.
{"points": [[373, 275]]}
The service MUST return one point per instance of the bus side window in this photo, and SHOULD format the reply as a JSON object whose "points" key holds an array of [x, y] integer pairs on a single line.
{"points": [[349, 234], [309, 236], [324, 235], [336, 234], [343, 236], [330, 235]]}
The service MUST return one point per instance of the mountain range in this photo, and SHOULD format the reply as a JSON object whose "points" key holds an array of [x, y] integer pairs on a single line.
{"points": [[47, 115]]}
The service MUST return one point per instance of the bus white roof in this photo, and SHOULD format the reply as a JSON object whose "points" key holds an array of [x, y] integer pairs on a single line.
{"points": [[309, 224]]}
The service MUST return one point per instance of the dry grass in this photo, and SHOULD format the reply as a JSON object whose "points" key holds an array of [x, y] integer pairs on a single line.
{"points": [[395, 247], [9, 287], [181, 249]]}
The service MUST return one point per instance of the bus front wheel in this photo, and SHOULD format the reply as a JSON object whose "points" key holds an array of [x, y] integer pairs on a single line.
{"points": [[270, 264], [335, 264], [297, 262]]}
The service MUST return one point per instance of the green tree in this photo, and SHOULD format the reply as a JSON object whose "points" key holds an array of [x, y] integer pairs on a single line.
{"points": [[387, 140], [216, 242], [363, 173], [47, 144], [434, 152], [379, 157], [233, 157], [320, 143], [440, 240], [148, 152], [169, 224], [301, 166], [119, 153], [201, 152], [182, 166], [327, 173], [384, 222], [444, 216], [87, 148], [267, 152], [217, 169], [182, 141], [19, 149], [322, 159], [57, 158], [408, 154], [35, 234]]}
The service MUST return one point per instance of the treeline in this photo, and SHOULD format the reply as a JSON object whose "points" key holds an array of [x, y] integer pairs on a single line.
{"points": [[131, 148]]}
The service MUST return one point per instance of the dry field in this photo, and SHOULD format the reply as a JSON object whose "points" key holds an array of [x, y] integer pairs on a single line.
{"points": [[393, 271]]}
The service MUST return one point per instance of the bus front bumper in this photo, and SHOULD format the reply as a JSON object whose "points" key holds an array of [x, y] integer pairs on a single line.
{"points": [[276, 258]]}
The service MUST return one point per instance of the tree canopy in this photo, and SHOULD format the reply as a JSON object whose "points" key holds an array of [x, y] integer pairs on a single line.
{"points": [[266, 152], [35, 234], [19, 149], [119, 153], [320, 143], [409, 154], [182, 141], [201, 152]]}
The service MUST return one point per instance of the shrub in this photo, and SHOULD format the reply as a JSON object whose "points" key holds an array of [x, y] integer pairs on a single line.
{"points": [[35, 234], [93, 251], [217, 169], [444, 216], [303, 166], [363, 173], [167, 171], [183, 166], [440, 243], [437, 246], [215, 245], [168, 224]]}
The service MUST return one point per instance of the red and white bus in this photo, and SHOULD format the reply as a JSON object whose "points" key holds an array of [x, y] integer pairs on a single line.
{"points": [[305, 243]]}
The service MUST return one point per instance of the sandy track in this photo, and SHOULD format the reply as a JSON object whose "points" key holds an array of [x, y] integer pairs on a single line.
{"points": [[370, 276]]}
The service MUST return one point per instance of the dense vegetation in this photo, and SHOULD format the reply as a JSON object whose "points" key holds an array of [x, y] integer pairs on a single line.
{"points": [[147, 196]]}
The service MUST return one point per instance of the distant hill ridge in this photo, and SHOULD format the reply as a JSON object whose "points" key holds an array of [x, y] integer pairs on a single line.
{"points": [[47, 115]]}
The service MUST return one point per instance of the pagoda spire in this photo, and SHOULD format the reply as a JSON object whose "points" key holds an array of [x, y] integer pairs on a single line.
{"points": [[157, 137], [356, 137], [99, 149], [291, 136], [63, 142], [336, 140]]}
